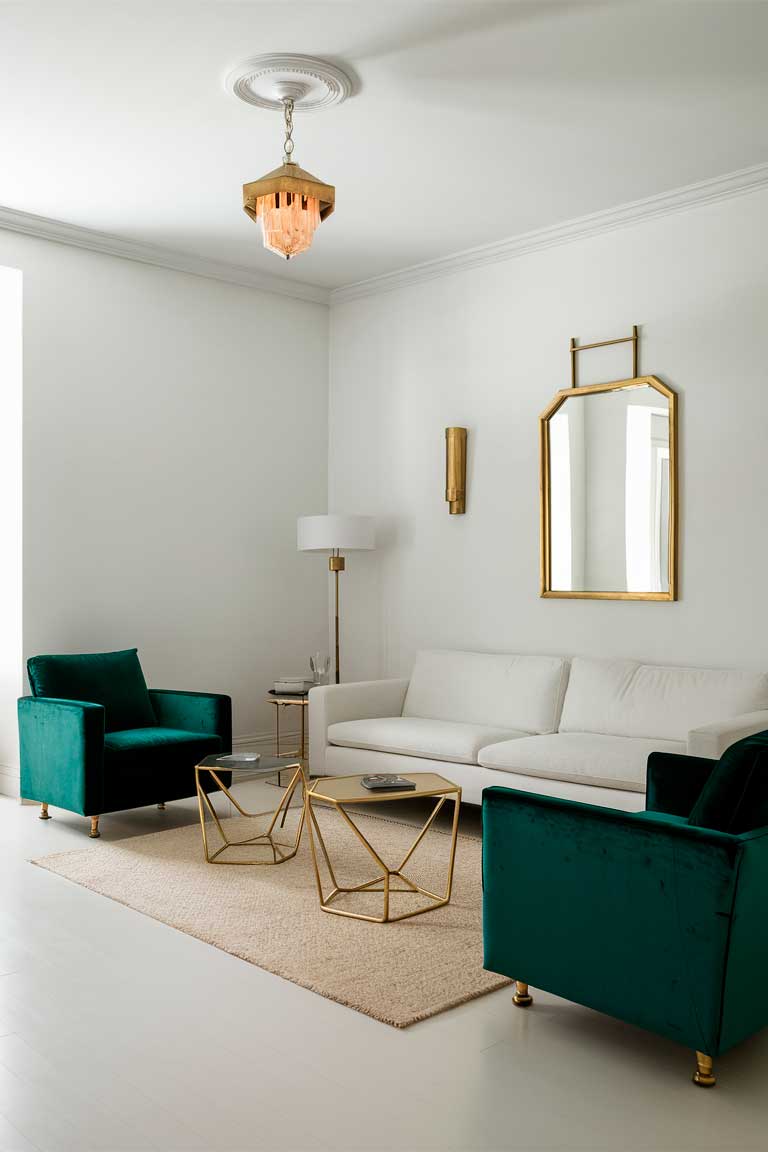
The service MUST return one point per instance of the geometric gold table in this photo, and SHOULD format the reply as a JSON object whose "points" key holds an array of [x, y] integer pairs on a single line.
{"points": [[342, 792], [273, 850]]}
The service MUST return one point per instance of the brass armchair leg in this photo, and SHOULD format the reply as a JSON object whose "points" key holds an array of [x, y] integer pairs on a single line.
{"points": [[704, 1075], [522, 997], [44, 812], [95, 827], [161, 806]]}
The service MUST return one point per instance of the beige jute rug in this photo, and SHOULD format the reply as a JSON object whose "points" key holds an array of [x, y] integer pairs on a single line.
{"points": [[398, 973]]}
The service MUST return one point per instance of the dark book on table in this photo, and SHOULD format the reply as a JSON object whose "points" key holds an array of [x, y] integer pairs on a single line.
{"points": [[386, 782]]}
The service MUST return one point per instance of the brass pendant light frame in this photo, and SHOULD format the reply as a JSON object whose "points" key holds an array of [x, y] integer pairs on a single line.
{"points": [[289, 178]]}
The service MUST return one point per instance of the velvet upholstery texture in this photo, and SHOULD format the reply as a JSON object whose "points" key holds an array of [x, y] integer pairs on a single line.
{"points": [[735, 796], [113, 679], [61, 743], [70, 759], [643, 916], [673, 783]]}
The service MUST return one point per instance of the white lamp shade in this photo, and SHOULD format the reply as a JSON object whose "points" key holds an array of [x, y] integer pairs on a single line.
{"points": [[324, 533]]}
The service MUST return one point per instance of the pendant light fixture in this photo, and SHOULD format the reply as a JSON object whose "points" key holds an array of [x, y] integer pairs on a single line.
{"points": [[289, 202]]}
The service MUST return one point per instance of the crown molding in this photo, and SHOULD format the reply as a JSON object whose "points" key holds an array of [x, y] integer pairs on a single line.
{"points": [[651, 208], [47, 229]]}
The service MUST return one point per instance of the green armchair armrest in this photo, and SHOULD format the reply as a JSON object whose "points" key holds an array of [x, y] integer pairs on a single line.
{"points": [[62, 753], [674, 782], [627, 913], [207, 712]]}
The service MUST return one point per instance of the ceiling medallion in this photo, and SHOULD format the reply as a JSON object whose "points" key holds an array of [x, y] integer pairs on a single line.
{"points": [[262, 80], [288, 202]]}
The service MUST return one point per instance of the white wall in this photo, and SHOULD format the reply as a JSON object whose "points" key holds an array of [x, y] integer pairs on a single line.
{"points": [[11, 676], [174, 428], [488, 348]]}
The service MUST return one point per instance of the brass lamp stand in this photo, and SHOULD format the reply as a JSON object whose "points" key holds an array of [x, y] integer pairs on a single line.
{"points": [[336, 564], [334, 533]]}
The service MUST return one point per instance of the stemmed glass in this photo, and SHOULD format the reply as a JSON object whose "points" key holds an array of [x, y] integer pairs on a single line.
{"points": [[320, 666]]}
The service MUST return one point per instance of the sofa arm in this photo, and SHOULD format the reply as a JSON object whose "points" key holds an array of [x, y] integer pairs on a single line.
{"points": [[363, 700], [195, 712], [713, 739], [61, 743], [673, 782]]}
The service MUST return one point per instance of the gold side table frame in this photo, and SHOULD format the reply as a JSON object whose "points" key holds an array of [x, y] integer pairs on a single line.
{"points": [[386, 881], [297, 701], [281, 850]]}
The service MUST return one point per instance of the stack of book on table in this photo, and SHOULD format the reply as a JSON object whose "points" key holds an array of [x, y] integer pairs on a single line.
{"points": [[292, 685]]}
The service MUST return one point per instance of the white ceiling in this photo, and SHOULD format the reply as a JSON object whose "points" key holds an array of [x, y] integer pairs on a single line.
{"points": [[474, 121]]}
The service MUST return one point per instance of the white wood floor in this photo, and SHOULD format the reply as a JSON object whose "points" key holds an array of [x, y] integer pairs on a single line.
{"points": [[119, 1033]]}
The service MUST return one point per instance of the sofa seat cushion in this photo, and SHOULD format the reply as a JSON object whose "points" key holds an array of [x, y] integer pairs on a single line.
{"points": [[162, 747], [579, 757], [416, 736]]}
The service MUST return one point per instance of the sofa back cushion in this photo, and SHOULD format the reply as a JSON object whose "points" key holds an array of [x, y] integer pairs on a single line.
{"points": [[626, 698], [114, 679], [507, 691]]}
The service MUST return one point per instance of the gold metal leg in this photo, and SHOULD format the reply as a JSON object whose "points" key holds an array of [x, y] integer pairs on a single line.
{"points": [[303, 713], [383, 882], [161, 806], [94, 833], [44, 812], [704, 1075], [522, 997], [281, 851]]}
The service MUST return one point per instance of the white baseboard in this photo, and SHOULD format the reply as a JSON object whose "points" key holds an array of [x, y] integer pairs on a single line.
{"points": [[10, 781], [264, 742]]}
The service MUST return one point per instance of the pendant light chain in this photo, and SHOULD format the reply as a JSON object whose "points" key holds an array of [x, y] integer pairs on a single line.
{"points": [[288, 146]]}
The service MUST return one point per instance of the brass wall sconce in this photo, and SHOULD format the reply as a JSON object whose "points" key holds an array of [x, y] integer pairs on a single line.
{"points": [[456, 470]]}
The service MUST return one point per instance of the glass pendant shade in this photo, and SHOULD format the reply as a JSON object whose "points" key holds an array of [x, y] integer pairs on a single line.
{"points": [[288, 221], [290, 204]]}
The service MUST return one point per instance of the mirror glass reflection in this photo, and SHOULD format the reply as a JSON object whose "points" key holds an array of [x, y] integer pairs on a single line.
{"points": [[610, 494]]}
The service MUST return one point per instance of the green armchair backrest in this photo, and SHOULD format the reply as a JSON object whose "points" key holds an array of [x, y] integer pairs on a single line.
{"points": [[735, 797], [113, 679]]}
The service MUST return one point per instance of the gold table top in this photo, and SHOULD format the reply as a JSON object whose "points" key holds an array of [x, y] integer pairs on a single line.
{"points": [[349, 790]]}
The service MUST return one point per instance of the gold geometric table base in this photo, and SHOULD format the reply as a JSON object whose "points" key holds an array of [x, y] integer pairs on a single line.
{"points": [[280, 850], [387, 880]]}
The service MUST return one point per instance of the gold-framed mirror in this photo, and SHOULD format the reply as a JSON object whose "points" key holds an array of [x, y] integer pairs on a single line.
{"points": [[609, 490]]}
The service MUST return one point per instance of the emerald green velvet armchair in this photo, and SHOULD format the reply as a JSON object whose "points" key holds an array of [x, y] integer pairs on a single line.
{"points": [[93, 738], [657, 917]]}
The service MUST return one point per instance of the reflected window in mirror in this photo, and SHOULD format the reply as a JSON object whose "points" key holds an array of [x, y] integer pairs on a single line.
{"points": [[609, 491]]}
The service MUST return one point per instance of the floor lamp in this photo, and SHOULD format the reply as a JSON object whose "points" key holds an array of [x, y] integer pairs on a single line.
{"points": [[336, 534]]}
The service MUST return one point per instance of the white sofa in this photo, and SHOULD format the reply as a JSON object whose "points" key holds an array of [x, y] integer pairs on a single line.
{"points": [[578, 728]]}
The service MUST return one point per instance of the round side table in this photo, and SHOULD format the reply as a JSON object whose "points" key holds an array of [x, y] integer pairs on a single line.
{"points": [[301, 701]]}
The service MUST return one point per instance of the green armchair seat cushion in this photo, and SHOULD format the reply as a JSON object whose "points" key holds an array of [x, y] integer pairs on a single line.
{"points": [[161, 747], [112, 679], [155, 762]]}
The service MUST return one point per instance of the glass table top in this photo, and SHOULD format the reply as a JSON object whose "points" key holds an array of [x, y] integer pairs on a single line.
{"points": [[264, 766]]}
